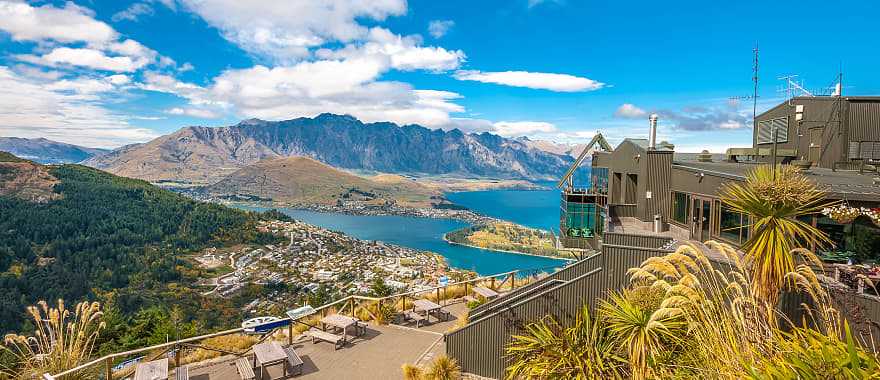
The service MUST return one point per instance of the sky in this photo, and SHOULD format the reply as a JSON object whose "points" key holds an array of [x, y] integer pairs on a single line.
{"points": [[105, 73]]}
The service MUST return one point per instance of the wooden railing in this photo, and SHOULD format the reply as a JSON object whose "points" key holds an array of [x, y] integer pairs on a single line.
{"points": [[350, 303]]}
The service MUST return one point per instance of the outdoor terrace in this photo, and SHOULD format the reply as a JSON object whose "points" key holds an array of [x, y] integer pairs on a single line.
{"points": [[378, 354]]}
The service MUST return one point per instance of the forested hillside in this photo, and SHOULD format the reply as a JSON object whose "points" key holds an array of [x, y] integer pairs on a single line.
{"points": [[114, 239]]}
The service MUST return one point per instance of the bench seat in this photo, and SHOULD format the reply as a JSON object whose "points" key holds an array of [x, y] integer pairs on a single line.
{"points": [[338, 341], [294, 362], [244, 369]]}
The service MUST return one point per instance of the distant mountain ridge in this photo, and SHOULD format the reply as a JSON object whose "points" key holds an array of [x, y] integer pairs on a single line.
{"points": [[47, 151], [304, 180], [207, 154]]}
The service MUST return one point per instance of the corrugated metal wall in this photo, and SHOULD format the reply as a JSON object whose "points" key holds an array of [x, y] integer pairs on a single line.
{"points": [[864, 121], [658, 174], [622, 211], [565, 274], [632, 240], [479, 346]]}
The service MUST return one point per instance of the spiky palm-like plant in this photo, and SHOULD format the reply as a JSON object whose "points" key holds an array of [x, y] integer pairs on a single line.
{"points": [[443, 368], [61, 340], [775, 198], [411, 372], [547, 350], [643, 331]]}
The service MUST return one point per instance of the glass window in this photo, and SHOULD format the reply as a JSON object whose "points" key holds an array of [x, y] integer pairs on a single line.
{"points": [[680, 207], [731, 224]]}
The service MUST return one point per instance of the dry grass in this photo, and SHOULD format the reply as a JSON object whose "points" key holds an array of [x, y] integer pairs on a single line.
{"points": [[237, 343], [735, 331], [61, 340], [442, 368]]}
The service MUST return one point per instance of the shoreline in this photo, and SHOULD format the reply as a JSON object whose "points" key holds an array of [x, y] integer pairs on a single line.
{"points": [[504, 250]]}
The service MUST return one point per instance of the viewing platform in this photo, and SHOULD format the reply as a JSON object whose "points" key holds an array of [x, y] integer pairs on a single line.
{"points": [[378, 354]]}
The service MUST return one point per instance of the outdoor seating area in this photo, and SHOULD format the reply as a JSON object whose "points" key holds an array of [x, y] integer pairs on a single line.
{"points": [[863, 278], [377, 352]]}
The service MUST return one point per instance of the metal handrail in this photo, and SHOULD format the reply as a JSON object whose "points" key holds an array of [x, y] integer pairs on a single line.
{"points": [[110, 357]]}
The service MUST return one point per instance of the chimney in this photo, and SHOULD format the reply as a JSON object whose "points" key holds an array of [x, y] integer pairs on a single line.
{"points": [[652, 139]]}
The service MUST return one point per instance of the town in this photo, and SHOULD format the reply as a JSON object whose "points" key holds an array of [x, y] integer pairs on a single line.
{"points": [[319, 265]]}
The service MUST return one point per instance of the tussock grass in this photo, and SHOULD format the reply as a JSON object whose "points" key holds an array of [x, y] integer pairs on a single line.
{"points": [[61, 339], [237, 343]]}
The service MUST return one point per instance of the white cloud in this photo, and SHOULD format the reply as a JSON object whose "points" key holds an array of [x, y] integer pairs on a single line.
{"points": [[133, 12], [401, 53], [522, 128], [539, 129], [439, 28], [630, 111], [193, 112], [69, 24], [309, 88], [66, 110], [286, 30], [544, 81], [86, 57]]}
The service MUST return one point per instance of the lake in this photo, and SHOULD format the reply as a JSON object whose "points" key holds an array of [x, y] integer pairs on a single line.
{"points": [[427, 234], [531, 208]]}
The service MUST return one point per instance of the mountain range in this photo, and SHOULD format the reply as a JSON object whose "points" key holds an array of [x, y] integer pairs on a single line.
{"points": [[47, 151], [205, 155], [304, 180]]}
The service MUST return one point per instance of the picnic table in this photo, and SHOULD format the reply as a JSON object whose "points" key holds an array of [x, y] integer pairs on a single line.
{"points": [[154, 370], [268, 354], [343, 322], [485, 292], [427, 307]]}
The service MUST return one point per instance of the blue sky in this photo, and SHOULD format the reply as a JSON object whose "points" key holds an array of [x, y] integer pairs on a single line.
{"points": [[107, 73]]}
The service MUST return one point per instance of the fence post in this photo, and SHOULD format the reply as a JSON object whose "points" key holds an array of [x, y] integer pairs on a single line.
{"points": [[177, 356], [290, 333], [512, 281], [438, 295], [109, 362], [465, 288], [493, 283], [351, 306]]}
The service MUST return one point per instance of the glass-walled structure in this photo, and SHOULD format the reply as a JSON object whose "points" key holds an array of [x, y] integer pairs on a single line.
{"points": [[582, 210]]}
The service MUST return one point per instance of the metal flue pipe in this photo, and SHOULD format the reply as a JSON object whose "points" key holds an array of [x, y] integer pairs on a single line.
{"points": [[652, 140]]}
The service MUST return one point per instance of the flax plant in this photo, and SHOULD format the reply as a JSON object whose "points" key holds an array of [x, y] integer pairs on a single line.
{"points": [[775, 198], [644, 331], [61, 340], [547, 350]]}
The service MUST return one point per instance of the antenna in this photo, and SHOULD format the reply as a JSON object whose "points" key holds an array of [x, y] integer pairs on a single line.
{"points": [[793, 88], [754, 96]]}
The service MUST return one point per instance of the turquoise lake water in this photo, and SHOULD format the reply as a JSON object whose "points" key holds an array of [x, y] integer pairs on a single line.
{"points": [[427, 234], [531, 208]]}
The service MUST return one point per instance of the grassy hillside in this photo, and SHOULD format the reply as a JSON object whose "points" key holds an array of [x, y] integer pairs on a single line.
{"points": [[304, 180], [506, 236], [110, 238]]}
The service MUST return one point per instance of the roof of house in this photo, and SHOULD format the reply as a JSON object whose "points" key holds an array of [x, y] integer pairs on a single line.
{"points": [[842, 184]]}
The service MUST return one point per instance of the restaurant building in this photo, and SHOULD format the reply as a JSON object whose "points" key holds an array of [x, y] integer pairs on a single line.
{"points": [[644, 186]]}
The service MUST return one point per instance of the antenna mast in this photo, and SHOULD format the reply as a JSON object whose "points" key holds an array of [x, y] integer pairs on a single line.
{"points": [[755, 94]]}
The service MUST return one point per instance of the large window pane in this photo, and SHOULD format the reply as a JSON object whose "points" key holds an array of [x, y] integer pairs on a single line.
{"points": [[679, 207], [730, 224]]}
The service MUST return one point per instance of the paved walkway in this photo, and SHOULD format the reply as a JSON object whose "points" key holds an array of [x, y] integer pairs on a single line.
{"points": [[379, 354]]}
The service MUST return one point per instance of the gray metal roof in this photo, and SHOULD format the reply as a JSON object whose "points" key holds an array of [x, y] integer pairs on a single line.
{"points": [[841, 184]]}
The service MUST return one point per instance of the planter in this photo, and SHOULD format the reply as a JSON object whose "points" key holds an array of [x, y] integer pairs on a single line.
{"points": [[842, 214]]}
